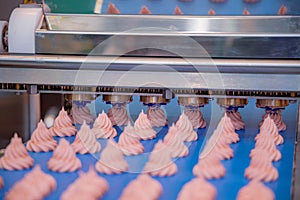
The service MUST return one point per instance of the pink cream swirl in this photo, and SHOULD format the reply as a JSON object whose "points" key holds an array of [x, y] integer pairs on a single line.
{"points": [[261, 168], [160, 161], [227, 129], [64, 158], [269, 128], [111, 160], [63, 125], [81, 114], [175, 143], [267, 144], [198, 188], [103, 127], [143, 188], [129, 142], [196, 117], [236, 119], [157, 116], [185, 128], [255, 190], [209, 166], [41, 139], [16, 156], [118, 115], [143, 127], [35, 185], [85, 141], [277, 118], [87, 186]]}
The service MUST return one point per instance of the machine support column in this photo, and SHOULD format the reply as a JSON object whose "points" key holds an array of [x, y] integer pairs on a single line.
{"points": [[34, 106]]}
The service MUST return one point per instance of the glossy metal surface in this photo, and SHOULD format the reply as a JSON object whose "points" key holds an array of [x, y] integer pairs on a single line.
{"points": [[180, 36]]}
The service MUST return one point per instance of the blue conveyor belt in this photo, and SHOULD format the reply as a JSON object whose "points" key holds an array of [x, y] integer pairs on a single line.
{"points": [[227, 187]]}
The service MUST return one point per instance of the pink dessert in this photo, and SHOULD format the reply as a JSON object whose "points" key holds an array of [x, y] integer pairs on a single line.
{"points": [[211, 12], [209, 166], [276, 117], [157, 116], [175, 143], [145, 11], [143, 127], [282, 10], [85, 141], [64, 158], [118, 115], [103, 128], [196, 117], [35, 185], [261, 168], [143, 188], [217, 1], [87, 186], [251, 1], [197, 188], [178, 11], [236, 119], [41, 139], [1, 182], [16, 156], [129, 142], [80, 114], [255, 190], [266, 143], [269, 128], [246, 11], [112, 9], [218, 143], [63, 125], [160, 161], [185, 128], [111, 160]]}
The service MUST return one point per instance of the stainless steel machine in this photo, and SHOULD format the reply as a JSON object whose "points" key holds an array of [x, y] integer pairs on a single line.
{"points": [[192, 58]]}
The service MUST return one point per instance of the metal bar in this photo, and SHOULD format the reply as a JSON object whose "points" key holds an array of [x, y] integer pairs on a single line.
{"points": [[34, 107], [275, 66]]}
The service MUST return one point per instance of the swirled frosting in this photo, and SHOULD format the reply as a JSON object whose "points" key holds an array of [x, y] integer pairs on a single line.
{"points": [[143, 188], [209, 166], [81, 114], [261, 168], [87, 186], [269, 128], [143, 127], [227, 129], [1, 182], [199, 189], [266, 143], [103, 128], [64, 158], [35, 185], [160, 161], [196, 118], [85, 141], [157, 116], [236, 119], [255, 190], [277, 118], [129, 142], [63, 125], [118, 115], [175, 143], [111, 160], [185, 128], [16, 156], [41, 139]]}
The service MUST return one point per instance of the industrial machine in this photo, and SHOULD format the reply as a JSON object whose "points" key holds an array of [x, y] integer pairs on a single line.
{"points": [[195, 59]]}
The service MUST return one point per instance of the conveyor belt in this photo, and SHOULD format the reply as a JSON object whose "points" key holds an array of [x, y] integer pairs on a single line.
{"points": [[193, 7], [227, 187]]}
